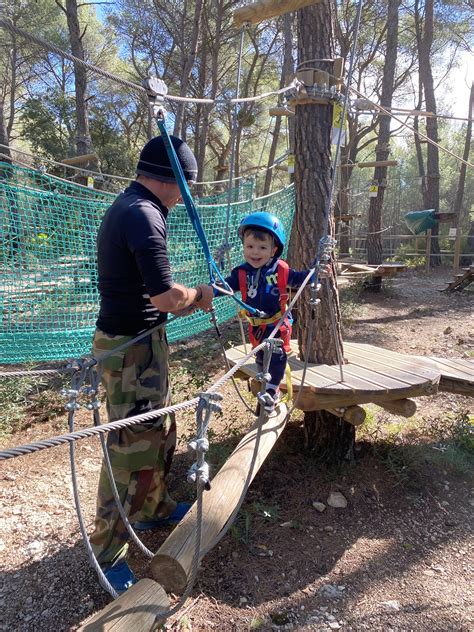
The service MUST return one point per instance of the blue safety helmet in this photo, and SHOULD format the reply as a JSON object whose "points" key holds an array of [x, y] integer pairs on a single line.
{"points": [[266, 222]]}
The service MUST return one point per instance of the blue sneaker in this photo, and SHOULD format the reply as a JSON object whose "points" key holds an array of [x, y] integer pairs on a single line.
{"points": [[173, 519], [120, 577]]}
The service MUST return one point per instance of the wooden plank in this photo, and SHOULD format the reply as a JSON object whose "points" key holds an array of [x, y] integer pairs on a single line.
{"points": [[414, 365], [407, 378], [134, 611], [377, 163], [79, 160], [265, 9], [456, 367], [321, 379], [172, 563]]}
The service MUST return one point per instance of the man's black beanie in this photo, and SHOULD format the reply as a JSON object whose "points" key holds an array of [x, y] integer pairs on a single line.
{"points": [[154, 161]]}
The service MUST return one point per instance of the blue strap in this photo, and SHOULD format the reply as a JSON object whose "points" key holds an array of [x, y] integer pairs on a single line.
{"points": [[194, 216]]}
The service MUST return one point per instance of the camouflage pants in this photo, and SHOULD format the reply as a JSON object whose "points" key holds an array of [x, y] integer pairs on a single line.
{"points": [[136, 381]]}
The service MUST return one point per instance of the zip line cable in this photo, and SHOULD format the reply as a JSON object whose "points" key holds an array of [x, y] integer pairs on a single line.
{"points": [[418, 133], [110, 175], [8, 24]]}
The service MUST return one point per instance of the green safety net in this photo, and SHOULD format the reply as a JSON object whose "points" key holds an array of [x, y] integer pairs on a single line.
{"points": [[48, 288]]}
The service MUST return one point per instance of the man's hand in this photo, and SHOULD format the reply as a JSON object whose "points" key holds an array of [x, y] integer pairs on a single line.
{"points": [[187, 311], [205, 296]]}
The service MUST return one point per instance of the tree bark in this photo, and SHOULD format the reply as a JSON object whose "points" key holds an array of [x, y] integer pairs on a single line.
{"points": [[189, 51], [286, 76], [458, 206], [83, 139], [431, 188], [327, 436], [382, 151]]}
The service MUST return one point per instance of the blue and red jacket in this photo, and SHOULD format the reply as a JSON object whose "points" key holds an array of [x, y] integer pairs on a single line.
{"points": [[265, 290]]}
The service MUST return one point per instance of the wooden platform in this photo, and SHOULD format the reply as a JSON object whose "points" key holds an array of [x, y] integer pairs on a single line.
{"points": [[372, 375], [457, 375], [461, 280], [355, 270]]}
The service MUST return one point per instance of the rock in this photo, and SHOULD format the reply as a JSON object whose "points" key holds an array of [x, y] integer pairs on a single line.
{"points": [[338, 500], [392, 604], [334, 625], [448, 330], [328, 528], [288, 525], [34, 547], [319, 506], [330, 592], [437, 568]]}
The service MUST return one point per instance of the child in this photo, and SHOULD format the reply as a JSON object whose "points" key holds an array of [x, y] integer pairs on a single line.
{"points": [[262, 281]]}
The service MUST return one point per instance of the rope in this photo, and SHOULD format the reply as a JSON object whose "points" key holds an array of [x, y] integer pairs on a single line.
{"points": [[7, 24], [53, 442], [412, 129], [7, 374]]}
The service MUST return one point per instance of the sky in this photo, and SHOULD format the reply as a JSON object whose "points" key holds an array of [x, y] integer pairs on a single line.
{"points": [[459, 85]]}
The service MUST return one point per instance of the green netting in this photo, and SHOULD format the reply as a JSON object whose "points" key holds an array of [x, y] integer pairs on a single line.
{"points": [[48, 288], [38, 180]]}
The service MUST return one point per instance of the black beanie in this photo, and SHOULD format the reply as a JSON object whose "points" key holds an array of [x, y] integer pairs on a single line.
{"points": [[154, 161]]}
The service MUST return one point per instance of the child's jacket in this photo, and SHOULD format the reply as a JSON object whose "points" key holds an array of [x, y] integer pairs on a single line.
{"points": [[263, 294]]}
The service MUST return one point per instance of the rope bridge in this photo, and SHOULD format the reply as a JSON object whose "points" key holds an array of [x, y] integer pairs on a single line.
{"points": [[48, 288]]}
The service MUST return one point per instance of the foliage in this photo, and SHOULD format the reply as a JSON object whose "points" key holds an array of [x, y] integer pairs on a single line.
{"points": [[28, 398], [409, 449]]}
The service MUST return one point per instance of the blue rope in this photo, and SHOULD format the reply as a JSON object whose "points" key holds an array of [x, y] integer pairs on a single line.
{"points": [[195, 220]]}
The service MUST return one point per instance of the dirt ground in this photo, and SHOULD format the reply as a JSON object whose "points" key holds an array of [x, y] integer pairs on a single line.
{"points": [[397, 558]]}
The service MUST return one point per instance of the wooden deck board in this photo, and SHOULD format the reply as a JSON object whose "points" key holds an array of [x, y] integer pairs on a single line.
{"points": [[457, 375], [371, 375]]}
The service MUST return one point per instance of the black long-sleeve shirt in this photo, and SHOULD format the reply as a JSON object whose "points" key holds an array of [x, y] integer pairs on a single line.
{"points": [[133, 262]]}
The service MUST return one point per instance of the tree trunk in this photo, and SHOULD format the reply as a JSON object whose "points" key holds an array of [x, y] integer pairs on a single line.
{"points": [[4, 139], [382, 151], [458, 206], [189, 53], [431, 189], [83, 139], [286, 76], [327, 436]]}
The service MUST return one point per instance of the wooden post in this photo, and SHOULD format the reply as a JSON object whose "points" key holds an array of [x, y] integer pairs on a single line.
{"points": [[172, 563], [457, 249], [265, 9], [428, 250], [137, 610]]}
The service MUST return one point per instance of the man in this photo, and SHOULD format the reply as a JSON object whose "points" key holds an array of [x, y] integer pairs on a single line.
{"points": [[136, 292]]}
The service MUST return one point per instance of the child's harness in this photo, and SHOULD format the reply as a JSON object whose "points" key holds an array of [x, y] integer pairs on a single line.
{"points": [[259, 325]]}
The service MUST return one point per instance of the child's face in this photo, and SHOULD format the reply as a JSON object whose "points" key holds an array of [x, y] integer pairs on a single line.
{"points": [[258, 252]]}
